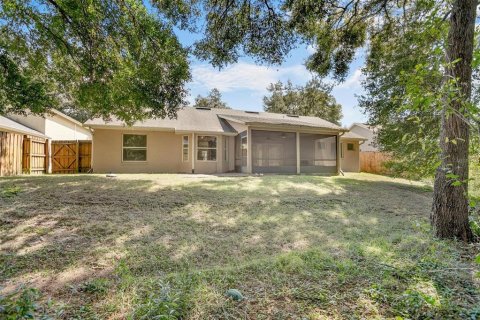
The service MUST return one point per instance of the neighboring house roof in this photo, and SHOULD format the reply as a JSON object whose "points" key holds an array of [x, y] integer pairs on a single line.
{"points": [[12, 126], [365, 126], [367, 131], [216, 121], [353, 136], [63, 115]]}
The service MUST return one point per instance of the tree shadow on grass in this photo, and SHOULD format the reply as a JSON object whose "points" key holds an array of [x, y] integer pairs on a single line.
{"points": [[294, 245]]}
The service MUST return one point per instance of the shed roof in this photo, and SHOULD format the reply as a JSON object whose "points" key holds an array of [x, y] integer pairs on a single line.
{"points": [[12, 126], [216, 121]]}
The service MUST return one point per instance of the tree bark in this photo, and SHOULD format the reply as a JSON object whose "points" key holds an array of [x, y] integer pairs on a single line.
{"points": [[449, 216]]}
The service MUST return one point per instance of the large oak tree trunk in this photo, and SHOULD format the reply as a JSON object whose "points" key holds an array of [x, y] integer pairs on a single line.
{"points": [[450, 204]]}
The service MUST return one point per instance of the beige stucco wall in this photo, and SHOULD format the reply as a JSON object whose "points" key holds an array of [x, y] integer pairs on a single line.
{"points": [[164, 154], [59, 128], [351, 159]]}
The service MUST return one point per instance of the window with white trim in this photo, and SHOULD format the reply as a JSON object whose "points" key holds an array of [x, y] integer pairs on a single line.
{"points": [[134, 147], [350, 147], [206, 148], [185, 143]]}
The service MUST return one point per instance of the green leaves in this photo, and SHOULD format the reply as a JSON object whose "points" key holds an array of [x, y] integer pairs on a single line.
{"points": [[213, 100], [314, 99], [104, 57]]}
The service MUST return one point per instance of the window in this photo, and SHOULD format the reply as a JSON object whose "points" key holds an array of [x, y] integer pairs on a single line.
{"points": [[185, 148], [350, 147], [225, 149], [134, 147], [207, 148]]}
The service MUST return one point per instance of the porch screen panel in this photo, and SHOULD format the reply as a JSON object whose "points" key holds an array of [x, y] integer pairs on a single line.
{"points": [[274, 152], [318, 153], [241, 151]]}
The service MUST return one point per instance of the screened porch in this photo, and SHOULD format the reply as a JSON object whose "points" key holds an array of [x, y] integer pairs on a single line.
{"points": [[285, 152]]}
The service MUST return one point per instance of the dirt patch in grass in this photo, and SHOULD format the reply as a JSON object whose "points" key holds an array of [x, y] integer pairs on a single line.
{"points": [[295, 246]]}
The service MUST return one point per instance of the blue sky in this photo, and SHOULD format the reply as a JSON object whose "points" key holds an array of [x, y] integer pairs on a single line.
{"points": [[244, 84]]}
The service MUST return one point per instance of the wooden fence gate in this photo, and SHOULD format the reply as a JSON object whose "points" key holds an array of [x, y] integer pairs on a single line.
{"points": [[35, 155], [71, 156]]}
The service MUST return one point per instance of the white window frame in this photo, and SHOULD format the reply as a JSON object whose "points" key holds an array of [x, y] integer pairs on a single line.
{"points": [[207, 148], [351, 144], [142, 148], [187, 147]]}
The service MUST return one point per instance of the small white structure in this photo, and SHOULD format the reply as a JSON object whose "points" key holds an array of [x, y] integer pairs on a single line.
{"points": [[56, 126]]}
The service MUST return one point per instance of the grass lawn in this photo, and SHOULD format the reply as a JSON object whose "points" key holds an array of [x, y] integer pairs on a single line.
{"points": [[297, 247]]}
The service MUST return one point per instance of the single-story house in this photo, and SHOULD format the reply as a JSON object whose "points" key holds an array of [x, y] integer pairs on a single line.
{"points": [[12, 137], [204, 140], [56, 125], [369, 133]]}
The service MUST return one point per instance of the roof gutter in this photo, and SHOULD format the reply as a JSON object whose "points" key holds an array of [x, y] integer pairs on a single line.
{"points": [[207, 132], [28, 133]]}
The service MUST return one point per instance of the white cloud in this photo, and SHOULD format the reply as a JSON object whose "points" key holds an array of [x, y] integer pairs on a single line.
{"points": [[311, 49], [246, 76], [353, 81]]}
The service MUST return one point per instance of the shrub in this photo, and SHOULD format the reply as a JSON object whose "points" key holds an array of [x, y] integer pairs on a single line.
{"points": [[22, 304]]}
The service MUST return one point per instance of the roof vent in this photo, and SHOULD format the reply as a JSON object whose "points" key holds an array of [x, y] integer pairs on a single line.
{"points": [[203, 108], [293, 115], [254, 112]]}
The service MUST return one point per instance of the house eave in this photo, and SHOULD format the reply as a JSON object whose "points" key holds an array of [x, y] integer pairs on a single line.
{"points": [[223, 133], [129, 128], [294, 128]]}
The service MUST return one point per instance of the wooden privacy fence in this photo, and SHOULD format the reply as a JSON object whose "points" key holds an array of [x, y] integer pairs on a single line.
{"points": [[11, 145], [71, 156], [373, 162], [35, 151]]}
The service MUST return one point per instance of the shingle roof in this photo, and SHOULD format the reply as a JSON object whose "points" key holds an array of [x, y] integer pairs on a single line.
{"points": [[353, 136], [216, 120], [12, 126]]}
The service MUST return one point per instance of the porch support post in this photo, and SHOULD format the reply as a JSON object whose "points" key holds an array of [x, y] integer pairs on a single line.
{"points": [[193, 152], [249, 150], [298, 151], [339, 161]]}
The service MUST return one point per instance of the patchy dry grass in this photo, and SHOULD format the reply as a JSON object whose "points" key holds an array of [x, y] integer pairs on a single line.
{"points": [[297, 247]]}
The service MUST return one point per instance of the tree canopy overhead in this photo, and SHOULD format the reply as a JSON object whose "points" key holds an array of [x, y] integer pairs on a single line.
{"points": [[314, 99], [107, 57]]}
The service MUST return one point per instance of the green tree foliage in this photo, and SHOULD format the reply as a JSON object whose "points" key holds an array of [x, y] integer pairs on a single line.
{"points": [[409, 126], [105, 57], [212, 100], [403, 81], [314, 99], [336, 29]]}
